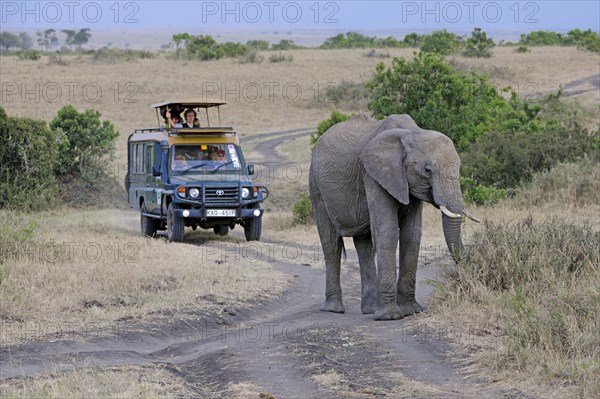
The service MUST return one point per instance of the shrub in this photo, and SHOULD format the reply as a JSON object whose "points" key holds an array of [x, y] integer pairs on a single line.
{"points": [[522, 49], [258, 44], [303, 210], [440, 42], [478, 45], [281, 58], [480, 194], [285, 44], [437, 97], [32, 55], [231, 49], [538, 284], [357, 40], [111, 55], [541, 38], [88, 145], [508, 157], [324, 125], [203, 47], [28, 157], [251, 57]]}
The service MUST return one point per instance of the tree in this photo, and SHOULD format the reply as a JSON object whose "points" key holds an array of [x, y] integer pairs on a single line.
{"points": [[179, 38], [87, 141], [25, 41], [440, 42], [258, 44], [82, 37], [479, 45], [70, 37], [8, 40], [47, 38], [412, 39]]}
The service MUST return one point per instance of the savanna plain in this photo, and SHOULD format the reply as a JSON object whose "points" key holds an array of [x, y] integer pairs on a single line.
{"points": [[86, 273]]}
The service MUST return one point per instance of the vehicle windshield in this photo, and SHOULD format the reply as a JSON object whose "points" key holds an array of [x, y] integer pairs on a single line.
{"points": [[202, 158]]}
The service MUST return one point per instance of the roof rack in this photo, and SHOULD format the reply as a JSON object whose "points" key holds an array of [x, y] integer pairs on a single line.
{"points": [[194, 103], [197, 131]]}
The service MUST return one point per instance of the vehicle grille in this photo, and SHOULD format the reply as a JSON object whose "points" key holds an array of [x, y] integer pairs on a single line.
{"points": [[221, 195]]}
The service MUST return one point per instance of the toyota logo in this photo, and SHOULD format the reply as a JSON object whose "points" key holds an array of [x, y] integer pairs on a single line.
{"points": [[220, 192]]}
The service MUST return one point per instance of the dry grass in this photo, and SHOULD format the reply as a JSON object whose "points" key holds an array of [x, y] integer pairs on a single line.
{"points": [[93, 268], [127, 382]]}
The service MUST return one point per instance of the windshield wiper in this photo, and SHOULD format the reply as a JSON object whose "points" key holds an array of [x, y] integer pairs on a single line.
{"points": [[220, 166], [194, 167]]}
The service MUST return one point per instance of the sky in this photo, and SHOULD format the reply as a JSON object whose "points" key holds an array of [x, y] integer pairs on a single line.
{"points": [[523, 16]]}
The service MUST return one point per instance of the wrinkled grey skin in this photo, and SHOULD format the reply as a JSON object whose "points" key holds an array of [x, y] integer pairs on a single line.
{"points": [[368, 180]]}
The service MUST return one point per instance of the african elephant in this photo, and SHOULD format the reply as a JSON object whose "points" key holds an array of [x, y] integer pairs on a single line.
{"points": [[368, 180]]}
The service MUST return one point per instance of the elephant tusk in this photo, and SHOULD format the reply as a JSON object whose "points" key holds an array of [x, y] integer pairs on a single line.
{"points": [[473, 218], [446, 212]]}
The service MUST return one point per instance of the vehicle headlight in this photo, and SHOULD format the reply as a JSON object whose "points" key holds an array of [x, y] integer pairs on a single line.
{"points": [[194, 193], [245, 192]]}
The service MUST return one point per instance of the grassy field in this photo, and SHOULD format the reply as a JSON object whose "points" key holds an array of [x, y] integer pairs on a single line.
{"points": [[92, 268]]}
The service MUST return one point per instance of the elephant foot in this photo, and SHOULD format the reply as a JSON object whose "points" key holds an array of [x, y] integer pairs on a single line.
{"points": [[368, 306], [411, 308], [388, 313], [333, 305]]}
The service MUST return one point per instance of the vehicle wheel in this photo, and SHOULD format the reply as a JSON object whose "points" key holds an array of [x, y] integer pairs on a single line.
{"points": [[253, 228], [175, 226], [148, 225], [221, 230]]}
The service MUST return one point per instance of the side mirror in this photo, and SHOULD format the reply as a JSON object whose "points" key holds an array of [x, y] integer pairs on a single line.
{"points": [[250, 169], [155, 170]]}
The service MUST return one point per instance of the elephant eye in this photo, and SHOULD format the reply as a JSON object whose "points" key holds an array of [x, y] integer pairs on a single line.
{"points": [[428, 169]]}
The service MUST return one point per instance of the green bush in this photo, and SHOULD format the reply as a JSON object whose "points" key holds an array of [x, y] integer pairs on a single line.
{"points": [[508, 157], [440, 42], [588, 39], [281, 58], [111, 55], [33, 55], [357, 40], [231, 49], [541, 38], [261, 45], [88, 143], [285, 44], [303, 210], [437, 97], [203, 47], [522, 49], [480, 194], [28, 158], [324, 125], [478, 45]]}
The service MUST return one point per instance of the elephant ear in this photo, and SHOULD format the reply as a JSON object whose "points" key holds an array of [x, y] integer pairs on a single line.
{"points": [[382, 158]]}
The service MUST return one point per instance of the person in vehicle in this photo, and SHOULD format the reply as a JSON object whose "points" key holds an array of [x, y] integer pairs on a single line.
{"points": [[180, 162], [219, 156], [173, 120], [191, 120]]}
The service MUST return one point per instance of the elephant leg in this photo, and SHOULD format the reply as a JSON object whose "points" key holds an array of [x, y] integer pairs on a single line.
{"points": [[332, 246], [383, 212], [410, 243], [368, 274]]}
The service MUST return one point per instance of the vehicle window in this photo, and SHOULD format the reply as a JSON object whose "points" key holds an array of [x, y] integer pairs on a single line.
{"points": [[148, 159], [213, 156], [139, 158]]}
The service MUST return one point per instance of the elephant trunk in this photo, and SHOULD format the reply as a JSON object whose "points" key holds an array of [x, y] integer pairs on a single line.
{"points": [[452, 234]]}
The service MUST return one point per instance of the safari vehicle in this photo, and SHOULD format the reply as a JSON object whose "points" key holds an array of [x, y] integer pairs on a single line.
{"points": [[192, 177]]}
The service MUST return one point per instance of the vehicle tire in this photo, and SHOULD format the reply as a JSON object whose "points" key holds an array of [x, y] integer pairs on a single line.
{"points": [[148, 225], [175, 225], [221, 230], [253, 228]]}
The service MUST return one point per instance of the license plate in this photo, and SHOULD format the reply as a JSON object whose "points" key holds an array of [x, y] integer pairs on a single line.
{"points": [[220, 212]]}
